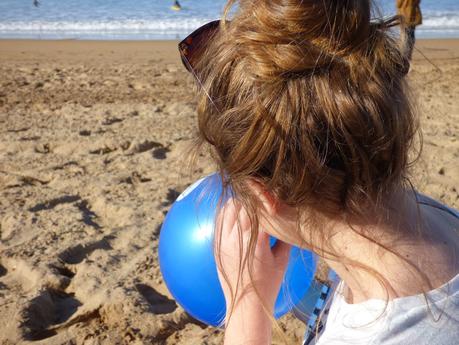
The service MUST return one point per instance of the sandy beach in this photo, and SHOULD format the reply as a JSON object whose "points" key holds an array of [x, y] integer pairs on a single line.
{"points": [[93, 147]]}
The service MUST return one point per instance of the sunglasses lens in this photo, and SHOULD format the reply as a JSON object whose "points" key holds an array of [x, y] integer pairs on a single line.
{"points": [[192, 47], [183, 55]]}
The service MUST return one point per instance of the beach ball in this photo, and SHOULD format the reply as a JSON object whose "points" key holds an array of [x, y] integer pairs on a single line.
{"points": [[187, 262]]}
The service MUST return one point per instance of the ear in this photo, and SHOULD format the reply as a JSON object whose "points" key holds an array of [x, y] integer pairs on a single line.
{"points": [[267, 199]]}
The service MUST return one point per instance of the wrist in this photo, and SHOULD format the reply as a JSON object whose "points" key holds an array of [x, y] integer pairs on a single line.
{"points": [[248, 324], [252, 301]]}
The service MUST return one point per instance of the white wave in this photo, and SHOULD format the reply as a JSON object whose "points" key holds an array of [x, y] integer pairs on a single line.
{"points": [[437, 22], [440, 21], [101, 27]]}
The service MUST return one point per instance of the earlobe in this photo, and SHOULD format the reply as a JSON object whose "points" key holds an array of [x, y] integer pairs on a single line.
{"points": [[267, 199]]}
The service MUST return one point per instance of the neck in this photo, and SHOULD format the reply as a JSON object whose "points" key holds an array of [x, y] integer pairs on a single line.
{"points": [[409, 259]]}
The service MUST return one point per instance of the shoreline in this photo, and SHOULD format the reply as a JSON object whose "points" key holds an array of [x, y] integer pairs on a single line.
{"points": [[444, 48]]}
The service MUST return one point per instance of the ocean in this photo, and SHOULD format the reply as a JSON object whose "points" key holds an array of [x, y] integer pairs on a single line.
{"points": [[154, 19]]}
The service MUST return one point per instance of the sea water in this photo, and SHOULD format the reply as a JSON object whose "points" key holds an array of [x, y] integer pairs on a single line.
{"points": [[154, 19]]}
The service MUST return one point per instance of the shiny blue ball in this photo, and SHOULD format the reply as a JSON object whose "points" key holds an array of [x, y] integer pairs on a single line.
{"points": [[187, 260]]}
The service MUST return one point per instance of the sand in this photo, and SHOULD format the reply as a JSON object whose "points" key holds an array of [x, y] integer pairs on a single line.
{"points": [[92, 147]]}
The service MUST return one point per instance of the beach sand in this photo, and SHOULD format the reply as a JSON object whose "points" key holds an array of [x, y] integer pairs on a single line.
{"points": [[92, 147]]}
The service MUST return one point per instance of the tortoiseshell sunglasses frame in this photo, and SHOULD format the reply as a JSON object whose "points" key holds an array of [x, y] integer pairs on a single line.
{"points": [[195, 43]]}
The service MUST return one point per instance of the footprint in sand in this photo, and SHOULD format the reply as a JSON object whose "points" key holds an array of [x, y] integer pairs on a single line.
{"points": [[159, 304], [50, 204], [88, 215], [75, 255], [49, 308]]}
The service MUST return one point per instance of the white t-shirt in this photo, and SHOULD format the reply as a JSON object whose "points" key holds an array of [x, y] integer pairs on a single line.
{"points": [[407, 320]]}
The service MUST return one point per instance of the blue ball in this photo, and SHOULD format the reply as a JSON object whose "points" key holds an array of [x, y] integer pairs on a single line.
{"points": [[187, 262]]}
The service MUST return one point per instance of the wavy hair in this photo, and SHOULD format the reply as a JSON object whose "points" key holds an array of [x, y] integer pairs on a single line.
{"points": [[310, 99]]}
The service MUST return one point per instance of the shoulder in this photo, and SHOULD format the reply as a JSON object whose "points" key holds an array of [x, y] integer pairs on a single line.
{"points": [[408, 320]]}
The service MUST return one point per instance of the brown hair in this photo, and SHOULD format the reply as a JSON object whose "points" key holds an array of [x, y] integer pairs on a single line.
{"points": [[309, 98]]}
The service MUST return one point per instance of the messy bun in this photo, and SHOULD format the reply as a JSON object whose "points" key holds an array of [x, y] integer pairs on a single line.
{"points": [[309, 97], [288, 38]]}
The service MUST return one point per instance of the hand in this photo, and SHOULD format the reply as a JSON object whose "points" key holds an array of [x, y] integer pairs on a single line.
{"points": [[268, 266]]}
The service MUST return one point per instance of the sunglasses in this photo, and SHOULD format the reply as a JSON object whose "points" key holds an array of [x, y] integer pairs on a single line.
{"points": [[192, 47]]}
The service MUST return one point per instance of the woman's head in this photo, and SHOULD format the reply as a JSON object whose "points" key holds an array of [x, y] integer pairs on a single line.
{"points": [[309, 98]]}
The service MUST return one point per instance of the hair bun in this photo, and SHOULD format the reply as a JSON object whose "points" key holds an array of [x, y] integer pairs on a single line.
{"points": [[285, 37], [334, 141]]}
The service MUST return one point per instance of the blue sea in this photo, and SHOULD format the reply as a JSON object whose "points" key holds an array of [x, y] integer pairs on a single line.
{"points": [[154, 19]]}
